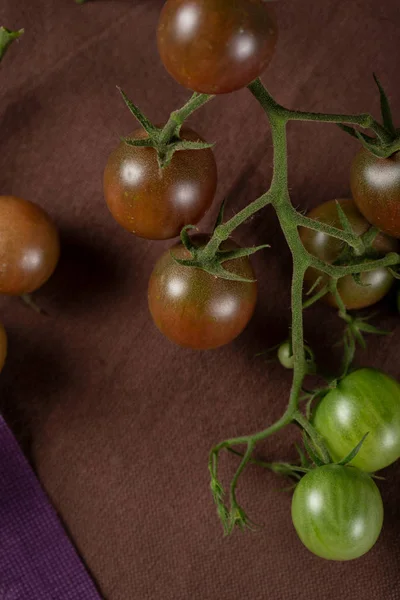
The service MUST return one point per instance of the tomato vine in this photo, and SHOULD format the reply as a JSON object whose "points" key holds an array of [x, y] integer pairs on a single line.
{"points": [[290, 220]]}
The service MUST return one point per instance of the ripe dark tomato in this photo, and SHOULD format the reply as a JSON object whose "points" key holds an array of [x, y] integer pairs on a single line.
{"points": [[376, 284], [3, 346], [375, 185], [367, 400], [337, 512], [216, 46], [29, 246], [198, 310], [156, 203]]}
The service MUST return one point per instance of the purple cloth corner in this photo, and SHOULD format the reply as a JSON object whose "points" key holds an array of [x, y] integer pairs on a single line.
{"points": [[37, 560]]}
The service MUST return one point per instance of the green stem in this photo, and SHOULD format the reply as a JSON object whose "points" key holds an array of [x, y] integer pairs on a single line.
{"points": [[172, 128], [338, 271], [351, 239], [276, 467], [290, 220], [243, 463], [317, 296]]}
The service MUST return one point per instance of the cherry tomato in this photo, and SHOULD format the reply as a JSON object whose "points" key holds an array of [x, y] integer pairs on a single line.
{"points": [[376, 284], [216, 46], [29, 246], [366, 401], [285, 355], [3, 346], [198, 310], [337, 512], [156, 203], [375, 185]]}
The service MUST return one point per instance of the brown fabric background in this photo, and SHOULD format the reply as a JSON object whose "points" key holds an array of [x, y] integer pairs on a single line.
{"points": [[118, 422]]}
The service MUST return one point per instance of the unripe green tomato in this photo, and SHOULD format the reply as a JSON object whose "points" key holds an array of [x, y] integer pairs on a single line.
{"points": [[337, 512], [285, 355], [366, 401]]}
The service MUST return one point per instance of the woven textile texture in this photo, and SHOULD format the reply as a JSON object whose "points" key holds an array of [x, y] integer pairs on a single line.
{"points": [[37, 561]]}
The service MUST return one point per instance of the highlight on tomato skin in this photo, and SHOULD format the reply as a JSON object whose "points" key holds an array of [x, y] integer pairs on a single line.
{"points": [[156, 203], [365, 401], [375, 185], [216, 46], [376, 283], [195, 309], [337, 512], [3, 346], [29, 246]]}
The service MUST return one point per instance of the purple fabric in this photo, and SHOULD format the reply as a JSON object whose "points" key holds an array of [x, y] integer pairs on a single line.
{"points": [[37, 561]]}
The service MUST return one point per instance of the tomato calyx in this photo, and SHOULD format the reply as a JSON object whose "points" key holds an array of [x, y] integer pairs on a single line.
{"points": [[7, 37], [166, 139], [213, 263], [387, 141]]}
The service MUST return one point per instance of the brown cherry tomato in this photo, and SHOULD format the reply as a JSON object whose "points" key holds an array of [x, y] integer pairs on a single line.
{"points": [[376, 284], [3, 346], [29, 246], [156, 203], [375, 185], [198, 310], [216, 46]]}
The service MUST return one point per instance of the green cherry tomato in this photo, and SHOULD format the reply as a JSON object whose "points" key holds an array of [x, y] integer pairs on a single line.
{"points": [[216, 46], [375, 185], [285, 355], [376, 283], [195, 309], [337, 512], [3, 346], [156, 203], [367, 400]]}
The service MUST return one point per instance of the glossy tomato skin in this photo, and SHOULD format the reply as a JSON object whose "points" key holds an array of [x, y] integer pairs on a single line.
{"points": [[375, 185], [3, 346], [337, 512], [216, 46], [195, 309], [156, 203], [376, 284], [29, 246], [285, 355], [365, 401]]}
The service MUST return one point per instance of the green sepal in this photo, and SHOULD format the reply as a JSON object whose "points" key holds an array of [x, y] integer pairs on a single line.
{"points": [[394, 273], [354, 452], [357, 278], [146, 143], [7, 37], [139, 116], [312, 453], [222, 256], [220, 217], [186, 240], [215, 268], [353, 132], [190, 145], [304, 462], [376, 148], [165, 158], [315, 285], [385, 108], [344, 221], [369, 237]]}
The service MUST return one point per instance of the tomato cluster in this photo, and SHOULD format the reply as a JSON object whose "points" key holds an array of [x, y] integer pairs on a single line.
{"points": [[374, 285], [216, 47]]}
